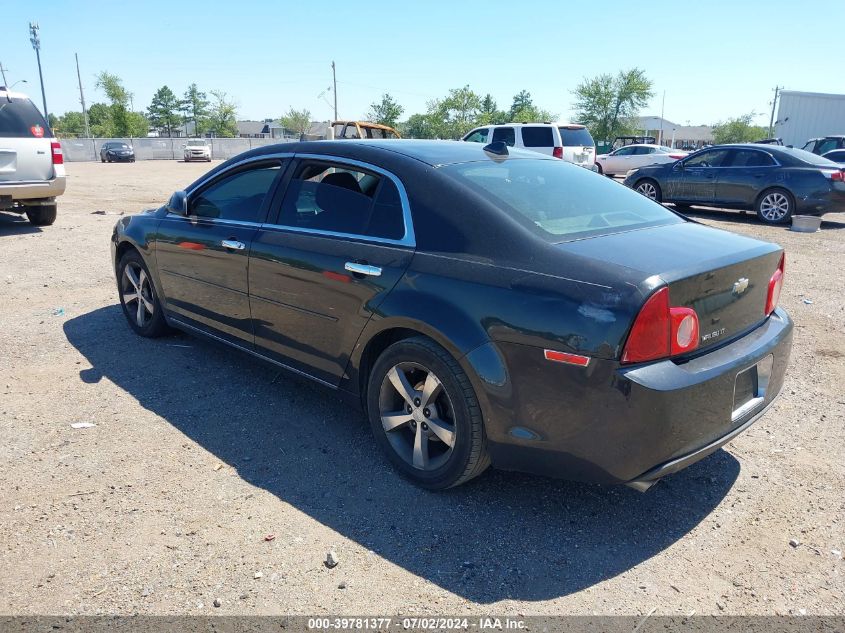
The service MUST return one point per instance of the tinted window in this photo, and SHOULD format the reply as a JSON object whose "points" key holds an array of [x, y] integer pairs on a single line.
{"points": [[713, 158], [505, 134], [238, 197], [750, 158], [559, 201], [21, 119], [826, 145], [641, 151], [576, 136], [537, 137], [624, 151], [808, 146], [478, 136], [326, 197]]}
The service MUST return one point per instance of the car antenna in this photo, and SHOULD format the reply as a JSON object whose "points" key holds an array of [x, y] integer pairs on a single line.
{"points": [[497, 148]]}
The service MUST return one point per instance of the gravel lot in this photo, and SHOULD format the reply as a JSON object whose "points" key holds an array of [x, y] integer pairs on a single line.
{"points": [[200, 453]]}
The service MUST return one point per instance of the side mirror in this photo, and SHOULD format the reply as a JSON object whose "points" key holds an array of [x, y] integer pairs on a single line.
{"points": [[178, 203]]}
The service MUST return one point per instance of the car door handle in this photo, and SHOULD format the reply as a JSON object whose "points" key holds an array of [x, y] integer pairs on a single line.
{"points": [[362, 269], [233, 244]]}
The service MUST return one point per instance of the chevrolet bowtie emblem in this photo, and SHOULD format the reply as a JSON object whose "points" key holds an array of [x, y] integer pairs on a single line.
{"points": [[740, 286]]}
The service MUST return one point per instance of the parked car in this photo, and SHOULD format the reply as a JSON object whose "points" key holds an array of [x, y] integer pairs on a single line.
{"points": [[824, 144], [624, 159], [197, 149], [775, 182], [32, 171], [770, 141], [117, 151], [837, 156], [570, 141], [622, 141], [483, 306], [361, 129]]}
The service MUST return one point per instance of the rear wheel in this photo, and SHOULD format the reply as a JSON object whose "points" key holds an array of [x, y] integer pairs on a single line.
{"points": [[425, 416], [138, 298], [775, 206], [43, 215], [599, 169], [650, 189]]}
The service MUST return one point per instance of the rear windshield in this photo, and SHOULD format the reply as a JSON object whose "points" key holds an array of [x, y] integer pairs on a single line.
{"points": [[21, 119], [576, 136], [560, 202], [805, 156]]}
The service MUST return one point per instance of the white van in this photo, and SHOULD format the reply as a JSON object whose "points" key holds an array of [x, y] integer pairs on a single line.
{"points": [[32, 170], [570, 141]]}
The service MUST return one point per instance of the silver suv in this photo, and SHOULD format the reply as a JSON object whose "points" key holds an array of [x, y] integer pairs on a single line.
{"points": [[32, 171]]}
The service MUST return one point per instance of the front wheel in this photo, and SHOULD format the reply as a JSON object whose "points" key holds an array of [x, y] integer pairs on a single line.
{"points": [[775, 206], [138, 298], [425, 415], [650, 189]]}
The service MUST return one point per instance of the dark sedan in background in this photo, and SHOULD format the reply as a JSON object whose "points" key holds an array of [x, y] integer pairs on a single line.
{"points": [[775, 182], [483, 304], [117, 151]]}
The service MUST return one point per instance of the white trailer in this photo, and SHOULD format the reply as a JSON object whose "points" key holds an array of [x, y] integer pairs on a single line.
{"points": [[806, 115]]}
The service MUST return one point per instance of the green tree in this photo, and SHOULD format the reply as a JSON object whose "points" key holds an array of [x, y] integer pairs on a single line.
{"points": [[195, 105], [523, 110], [69, 125], [163, 112], [419, 126], [119, 98], [387, 112], [298, 121], [222, 115], [99, 116], [739, 130], [607, 105], [137, 125], [457, 114], [490, 113]]}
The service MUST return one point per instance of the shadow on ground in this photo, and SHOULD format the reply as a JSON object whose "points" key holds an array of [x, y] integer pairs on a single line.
{"points": [[15, 224], [749, 217], [503, 535]]}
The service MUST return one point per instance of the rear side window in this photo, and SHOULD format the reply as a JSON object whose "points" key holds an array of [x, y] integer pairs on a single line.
{"points": [[506, 135], [557, 201], [21, 119], [537, 136], [576, 136], [338, 199], [750, 158], [238, 198]]}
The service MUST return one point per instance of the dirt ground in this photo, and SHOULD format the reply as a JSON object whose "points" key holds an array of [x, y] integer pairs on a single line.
{"points": [[199, 454]]}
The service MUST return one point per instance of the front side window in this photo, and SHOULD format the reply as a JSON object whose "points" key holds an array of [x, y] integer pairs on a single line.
{"points": [[537, 136], [238, 197], [712, 158], [506, 135], [558, 202], [478, 136], [332, 197]]}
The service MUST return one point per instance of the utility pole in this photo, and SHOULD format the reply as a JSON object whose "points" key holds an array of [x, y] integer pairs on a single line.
{"points": [[82, 98], [334, 90], [36, 44], [772, 118], [662, 109], [3, 72]]}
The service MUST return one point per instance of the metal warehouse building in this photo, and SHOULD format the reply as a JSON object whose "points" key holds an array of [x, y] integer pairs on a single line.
{"points": [[806, 115]]}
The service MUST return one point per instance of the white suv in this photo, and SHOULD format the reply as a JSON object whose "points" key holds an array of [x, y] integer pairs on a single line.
{"points": [[32, 170], [570, 141]]}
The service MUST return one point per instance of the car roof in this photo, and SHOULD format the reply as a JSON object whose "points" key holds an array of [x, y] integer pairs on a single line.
{"points": [[535, 123]]}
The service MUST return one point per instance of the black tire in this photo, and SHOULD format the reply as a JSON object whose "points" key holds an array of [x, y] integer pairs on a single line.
{"points": [[155, 325], [43, 215], [658, 194], [468, 457], [102, 160], [599, 170], [767, 212]]}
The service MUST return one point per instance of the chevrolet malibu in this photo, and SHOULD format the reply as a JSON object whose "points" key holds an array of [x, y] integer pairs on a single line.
{"points": [[484, 305]]}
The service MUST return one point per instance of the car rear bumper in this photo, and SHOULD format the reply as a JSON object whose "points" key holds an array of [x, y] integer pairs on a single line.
{"points": [[832, 202], [608, 423], [34, 190]]}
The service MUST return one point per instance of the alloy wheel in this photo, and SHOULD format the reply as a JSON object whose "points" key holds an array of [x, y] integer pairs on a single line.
{"points": [[417, 416], [774, 206], [648, 190], [135, 288]]}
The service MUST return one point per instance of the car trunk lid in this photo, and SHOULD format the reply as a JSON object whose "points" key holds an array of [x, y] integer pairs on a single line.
{"points": [[722, 276]]}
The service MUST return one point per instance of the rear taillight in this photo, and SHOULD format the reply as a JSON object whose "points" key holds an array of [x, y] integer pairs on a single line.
{"points": [[56, 150], [661, 331], [775, 284], [836, 176], [557, 152]]}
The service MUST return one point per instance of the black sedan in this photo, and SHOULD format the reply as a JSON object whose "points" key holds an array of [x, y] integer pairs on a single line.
{"points": [[775, 182], [117, 151], [483, 305]]}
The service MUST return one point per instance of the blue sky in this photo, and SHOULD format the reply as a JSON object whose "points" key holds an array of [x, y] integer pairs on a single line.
{"points": [[715, 59]]}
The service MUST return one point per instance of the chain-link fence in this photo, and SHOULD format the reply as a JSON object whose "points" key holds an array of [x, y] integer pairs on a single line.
{"points": [[88, 149]]}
